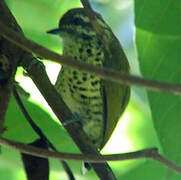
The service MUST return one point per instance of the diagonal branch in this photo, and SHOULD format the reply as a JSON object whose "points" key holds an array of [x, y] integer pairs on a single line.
{"points": [[63, 113]]}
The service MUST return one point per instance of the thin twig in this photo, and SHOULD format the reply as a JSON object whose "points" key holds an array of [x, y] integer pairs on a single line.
{"points": [[40, 133], [151, 153], [166, 162], [93, 20], [104, 73], [100, 31], [91, 14]]}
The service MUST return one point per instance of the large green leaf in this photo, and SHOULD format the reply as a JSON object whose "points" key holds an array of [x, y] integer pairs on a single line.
{"points": [[19, 130], [158, 40]]}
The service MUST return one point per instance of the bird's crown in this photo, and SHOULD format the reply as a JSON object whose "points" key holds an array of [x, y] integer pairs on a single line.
{"points": [[76, 22]]}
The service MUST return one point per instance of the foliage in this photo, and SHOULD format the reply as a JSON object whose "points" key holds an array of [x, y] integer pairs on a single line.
{"points": [[158, 46]]}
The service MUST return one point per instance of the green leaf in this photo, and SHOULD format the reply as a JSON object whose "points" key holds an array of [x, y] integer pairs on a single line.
{"points": [[18, 129], [37, 17], [149, 170], [158, 30]]}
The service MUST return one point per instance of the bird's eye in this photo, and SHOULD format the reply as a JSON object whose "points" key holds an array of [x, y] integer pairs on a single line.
{"points": [[77, 21]]}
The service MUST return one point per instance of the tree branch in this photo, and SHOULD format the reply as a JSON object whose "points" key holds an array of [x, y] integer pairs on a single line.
{"points": [[9, 56], [64, 114], [151, 153], [104, 73]]}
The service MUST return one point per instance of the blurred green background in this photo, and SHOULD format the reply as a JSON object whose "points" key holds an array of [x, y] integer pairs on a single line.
{"points": [[143, 24]]}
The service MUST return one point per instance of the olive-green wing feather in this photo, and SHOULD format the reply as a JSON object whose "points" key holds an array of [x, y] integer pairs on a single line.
{"points": [[117, 95]]}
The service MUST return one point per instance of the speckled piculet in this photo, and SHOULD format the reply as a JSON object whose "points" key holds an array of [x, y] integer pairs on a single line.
{"points": [[98, 103]]}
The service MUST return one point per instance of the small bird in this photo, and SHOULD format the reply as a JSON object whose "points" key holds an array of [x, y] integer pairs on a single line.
{"points": [[98, 103]]}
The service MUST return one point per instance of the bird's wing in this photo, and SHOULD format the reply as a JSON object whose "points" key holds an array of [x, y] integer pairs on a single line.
{"points": [[117, 95]]}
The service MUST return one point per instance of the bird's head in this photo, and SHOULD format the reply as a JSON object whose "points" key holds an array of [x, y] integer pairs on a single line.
{"points": [[76, 23]]}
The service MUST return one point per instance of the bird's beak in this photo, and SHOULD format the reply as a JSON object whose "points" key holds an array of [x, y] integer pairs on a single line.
{"points": [[61, 31], [54, 31]]}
